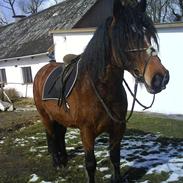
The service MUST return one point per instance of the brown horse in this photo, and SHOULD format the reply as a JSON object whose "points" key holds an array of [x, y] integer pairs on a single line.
{"points": [[98, 101]]}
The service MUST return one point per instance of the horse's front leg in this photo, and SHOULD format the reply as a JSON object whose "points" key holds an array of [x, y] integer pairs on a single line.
{"points": [[88, 140], [116, 135]]}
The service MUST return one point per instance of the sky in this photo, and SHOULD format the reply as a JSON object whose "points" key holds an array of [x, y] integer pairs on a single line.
{"points": [[8, 14]]}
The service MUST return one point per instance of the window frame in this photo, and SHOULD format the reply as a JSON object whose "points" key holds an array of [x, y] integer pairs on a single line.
{"points": [[3, 78], [27, 75]]}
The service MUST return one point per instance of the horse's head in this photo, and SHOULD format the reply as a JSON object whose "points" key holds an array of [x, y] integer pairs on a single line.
{"points": [[132, 35]]}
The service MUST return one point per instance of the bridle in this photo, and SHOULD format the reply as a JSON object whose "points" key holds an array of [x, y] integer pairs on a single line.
{"points": [[140, 78], [151, 52]]}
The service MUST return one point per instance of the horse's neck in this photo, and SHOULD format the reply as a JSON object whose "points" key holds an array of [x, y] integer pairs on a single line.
{"points": [[111, 82], [112, 75]]}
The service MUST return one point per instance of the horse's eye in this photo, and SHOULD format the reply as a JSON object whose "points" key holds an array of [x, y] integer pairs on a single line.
{"points": [[136, 72]]}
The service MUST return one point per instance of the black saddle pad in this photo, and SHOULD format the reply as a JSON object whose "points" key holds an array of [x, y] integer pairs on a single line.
{"points": [[52, 86]]}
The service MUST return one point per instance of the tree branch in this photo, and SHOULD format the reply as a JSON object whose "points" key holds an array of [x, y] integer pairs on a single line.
{"points": [[4, 6]]}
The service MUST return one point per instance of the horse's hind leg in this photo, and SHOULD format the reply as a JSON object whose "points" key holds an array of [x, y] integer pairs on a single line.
{"points": [[55, 134], [56, 144], [59, 131], [116, 135]]}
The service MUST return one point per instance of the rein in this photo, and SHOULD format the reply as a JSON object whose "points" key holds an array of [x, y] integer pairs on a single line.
{"points": [[134, 95], [150, 52], [109, 113]]}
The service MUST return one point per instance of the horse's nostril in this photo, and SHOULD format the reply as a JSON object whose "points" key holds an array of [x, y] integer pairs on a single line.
{"points": [[166, 79], [157, 82]]}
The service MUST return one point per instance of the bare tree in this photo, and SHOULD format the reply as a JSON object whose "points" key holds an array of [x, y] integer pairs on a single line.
{"points": [[9, 4], [158, 10], [31, 6], [3, 20], [176, 7], [165, 10]]}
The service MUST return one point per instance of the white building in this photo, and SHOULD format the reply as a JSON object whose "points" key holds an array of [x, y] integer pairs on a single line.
{"points": [[24, 45]]}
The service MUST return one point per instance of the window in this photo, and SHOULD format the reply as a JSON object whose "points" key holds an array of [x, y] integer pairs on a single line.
{"points": [[27, 74], [3, 76]]}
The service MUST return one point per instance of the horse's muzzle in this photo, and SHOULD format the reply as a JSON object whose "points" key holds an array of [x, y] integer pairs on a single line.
{"points": [[159, 82]]}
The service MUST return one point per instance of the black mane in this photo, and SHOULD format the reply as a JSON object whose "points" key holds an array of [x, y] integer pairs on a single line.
{"points": [[128, 32], [96, 56]]}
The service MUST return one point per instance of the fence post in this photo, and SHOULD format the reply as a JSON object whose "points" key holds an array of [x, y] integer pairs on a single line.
{"points": [[2, 90]]}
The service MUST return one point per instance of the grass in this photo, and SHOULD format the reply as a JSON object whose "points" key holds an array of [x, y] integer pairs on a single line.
{"points": [[12, 121], [24, 102], [166, 127], [23, 151]]}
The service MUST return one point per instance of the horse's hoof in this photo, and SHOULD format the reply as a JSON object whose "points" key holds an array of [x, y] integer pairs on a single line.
{"points": [[56, 161], [57, 168], [116, 180], [64, 161]]}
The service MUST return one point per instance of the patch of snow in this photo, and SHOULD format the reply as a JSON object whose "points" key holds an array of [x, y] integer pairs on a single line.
{"points": [[60, 179], [108, 176], [138, 151], [34, 178], [70, 148], [173, 178], [80, 166], [33, 149], [33, 138], [45, 181], [42, 151], [102, 154], [103, 169], [39, 155], [42, 147], [146, 152]]}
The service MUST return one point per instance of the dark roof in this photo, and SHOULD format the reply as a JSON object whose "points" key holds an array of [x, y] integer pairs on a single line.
{"points": [[31, 35]]}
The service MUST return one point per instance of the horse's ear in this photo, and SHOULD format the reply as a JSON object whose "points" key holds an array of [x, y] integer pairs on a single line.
{"points": [[118, 7], [141, 5]]}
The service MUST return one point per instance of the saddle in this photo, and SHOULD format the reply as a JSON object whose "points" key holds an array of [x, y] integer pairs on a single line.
{"points": [[69, 58], [61, 81]]}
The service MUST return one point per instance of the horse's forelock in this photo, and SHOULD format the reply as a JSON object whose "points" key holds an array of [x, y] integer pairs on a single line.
{"points": [[132, 30]]}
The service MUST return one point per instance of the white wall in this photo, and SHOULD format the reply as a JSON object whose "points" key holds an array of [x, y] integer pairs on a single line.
{"points": [[169, 101], [14, 73], [70, 43]]}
